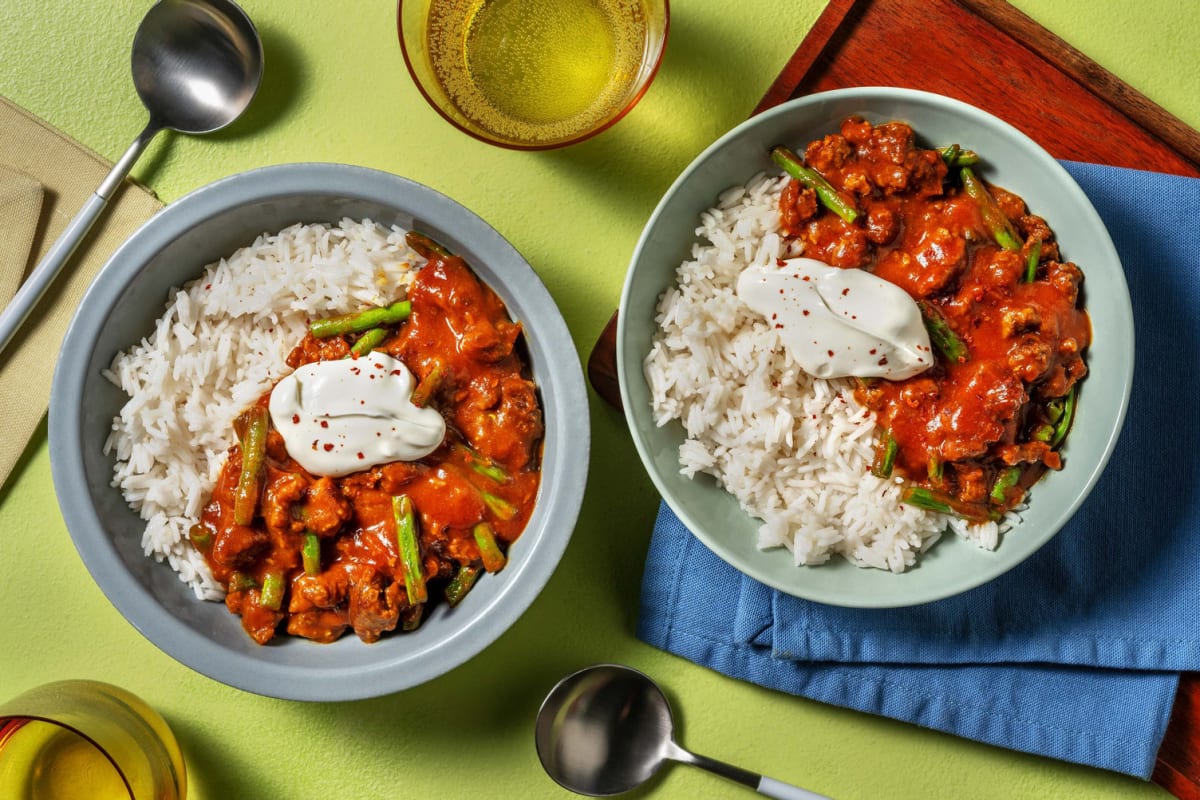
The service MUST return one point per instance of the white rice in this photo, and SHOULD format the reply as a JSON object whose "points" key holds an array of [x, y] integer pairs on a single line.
{"points": [[220, 344], [794, 450]]}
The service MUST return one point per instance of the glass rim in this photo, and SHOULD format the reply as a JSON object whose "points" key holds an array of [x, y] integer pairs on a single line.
{"points": [[11, 723]]}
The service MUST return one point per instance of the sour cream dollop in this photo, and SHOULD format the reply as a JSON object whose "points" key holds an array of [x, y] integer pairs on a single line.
{"points": [[838, 323], [338, 417]]}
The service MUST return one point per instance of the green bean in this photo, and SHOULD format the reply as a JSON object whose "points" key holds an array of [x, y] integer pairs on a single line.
{"points": [[254, 446], [426, 248], [484, 466], [1005, 481], [310, 553], [885, 456], [1064, 422], [493, 559], [830, 197], [941, 335], [361, 320], [936, 468], [1035, 257], [368, 342], [410, 549], [501, 508], [1043, 433], [955, 156], [271, 596], [461, 583], [201, 537], [997, 224], [240, 582], [410, 618], [933, 500], [428, 387]]}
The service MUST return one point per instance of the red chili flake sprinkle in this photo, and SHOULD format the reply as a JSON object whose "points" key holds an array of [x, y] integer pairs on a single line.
{"points": [[295, 419], [773, 316], [378, 365], [361, 456], [830, 353], [778, 326], [395, 372], [805, 312], [362, 402], [207, 286], [845, 291], [314, 444], [781, 291], [356, 370], [324, 423], [807, 278], [328, 447], [872, 351], [883, 361], [779, 262], [854, 316], [372, 377]]}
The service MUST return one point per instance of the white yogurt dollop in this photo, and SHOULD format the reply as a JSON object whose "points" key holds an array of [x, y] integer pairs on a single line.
{"points": [[839, 323], [338, 417]]}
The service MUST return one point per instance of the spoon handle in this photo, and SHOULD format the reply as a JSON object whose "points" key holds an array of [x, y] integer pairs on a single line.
{"points": [[785, 791], [39, 280], [760, 783]]}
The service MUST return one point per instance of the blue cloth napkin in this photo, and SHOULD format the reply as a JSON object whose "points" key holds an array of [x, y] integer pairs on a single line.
{"points": [[1074, 654]]}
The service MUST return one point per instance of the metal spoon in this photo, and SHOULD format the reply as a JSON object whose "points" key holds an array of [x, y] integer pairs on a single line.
{"points": [[607, 729], [196, 66]]}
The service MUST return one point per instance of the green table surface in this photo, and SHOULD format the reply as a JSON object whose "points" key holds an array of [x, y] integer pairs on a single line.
{"points": [[336, 89]]}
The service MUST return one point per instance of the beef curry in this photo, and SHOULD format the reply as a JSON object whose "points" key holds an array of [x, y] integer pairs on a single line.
{"points": [[971, 434], [370, 551]]}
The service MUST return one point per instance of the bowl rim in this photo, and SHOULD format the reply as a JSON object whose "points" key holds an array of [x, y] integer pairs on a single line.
{"points": [[588, 134], [627, 371], [555, 514]]}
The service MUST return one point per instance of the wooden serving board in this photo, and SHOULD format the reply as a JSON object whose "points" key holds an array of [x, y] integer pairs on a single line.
{"points": [[989, 54]]}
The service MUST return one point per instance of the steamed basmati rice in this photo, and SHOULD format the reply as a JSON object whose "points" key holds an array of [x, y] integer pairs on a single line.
{"points": [[221, 343], [794, 450]]}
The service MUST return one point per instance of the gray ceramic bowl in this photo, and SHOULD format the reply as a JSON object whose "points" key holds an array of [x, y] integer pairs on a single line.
{"points": [[1013, 161], [120, 308]]}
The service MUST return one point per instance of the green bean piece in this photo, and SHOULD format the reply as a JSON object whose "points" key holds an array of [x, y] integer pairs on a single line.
{"points": [[361, 320], [461, 583], [410, 618], [271, 596], [1064, 422], [410, 549], [500, 508], [310, 553], [493, 559], [1035, 257], [936, 468], [368, 342], [933, 500], [885, 456], [830, 197], [941, 335], [200, 537], [955, 156], [240, 582], [997, 224], [484, 466], [428, 387], [1043, 433], [1005, 481], [426, 248], [254, 447]]}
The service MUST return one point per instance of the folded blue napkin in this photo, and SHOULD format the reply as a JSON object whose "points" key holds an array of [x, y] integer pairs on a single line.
{"points": [[1075, 653]]}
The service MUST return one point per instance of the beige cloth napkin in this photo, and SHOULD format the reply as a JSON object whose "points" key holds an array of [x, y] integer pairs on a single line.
{"points": [[45, 177]]}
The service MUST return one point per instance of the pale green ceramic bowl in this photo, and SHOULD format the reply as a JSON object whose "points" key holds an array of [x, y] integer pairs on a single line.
{"points": [[1012, 160]]}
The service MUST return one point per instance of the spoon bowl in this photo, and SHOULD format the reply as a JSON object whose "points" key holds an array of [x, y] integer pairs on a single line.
{"points": [[196, 66], [607, 729]]}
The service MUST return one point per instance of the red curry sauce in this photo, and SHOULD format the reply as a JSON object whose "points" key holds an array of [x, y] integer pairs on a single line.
{"points": [[966, 421], [459, 335]]}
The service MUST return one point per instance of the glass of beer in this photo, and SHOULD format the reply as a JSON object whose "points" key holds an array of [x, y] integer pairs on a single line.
{"points": [[75, 739], [533, 74]]}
